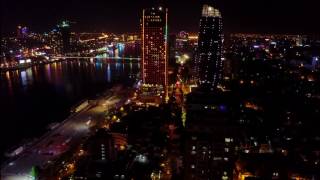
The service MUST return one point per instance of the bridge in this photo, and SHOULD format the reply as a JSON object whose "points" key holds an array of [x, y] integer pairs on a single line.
{"points": [[95, 57]]}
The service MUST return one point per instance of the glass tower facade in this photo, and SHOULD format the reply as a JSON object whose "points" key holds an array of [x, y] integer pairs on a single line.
{"points": [[209, 64]]}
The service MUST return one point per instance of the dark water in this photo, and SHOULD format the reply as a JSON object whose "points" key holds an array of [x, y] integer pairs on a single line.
{"points": [[31, 99]]}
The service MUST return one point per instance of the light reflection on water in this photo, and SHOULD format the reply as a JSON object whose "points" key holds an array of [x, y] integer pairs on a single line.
{"points": [[48, 72], [32, 98], [63, 74], [23, 76], [109, 73]]}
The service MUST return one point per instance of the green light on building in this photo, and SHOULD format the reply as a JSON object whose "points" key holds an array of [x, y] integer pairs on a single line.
{"points": [[64, 24], [33, 173]]}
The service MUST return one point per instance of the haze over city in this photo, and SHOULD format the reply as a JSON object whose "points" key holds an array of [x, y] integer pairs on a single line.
{"points": [[265, 16]]}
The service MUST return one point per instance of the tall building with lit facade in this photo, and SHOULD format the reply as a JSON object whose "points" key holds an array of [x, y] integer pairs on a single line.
{"points": [[64, 29], [209, 64], [154, 47]]}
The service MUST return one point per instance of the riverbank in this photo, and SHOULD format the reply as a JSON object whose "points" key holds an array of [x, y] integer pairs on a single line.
{"points": [[71, 131], [36, 97]]}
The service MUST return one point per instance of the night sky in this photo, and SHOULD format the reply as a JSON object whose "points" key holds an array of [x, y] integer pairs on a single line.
{"points": [[262, 16]]}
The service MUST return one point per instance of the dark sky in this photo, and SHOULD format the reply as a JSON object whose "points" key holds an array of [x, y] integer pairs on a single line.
{"points": [[264, 16]]}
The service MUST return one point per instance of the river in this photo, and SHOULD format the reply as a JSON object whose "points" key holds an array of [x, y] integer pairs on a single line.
{"points": [[32, 98]]}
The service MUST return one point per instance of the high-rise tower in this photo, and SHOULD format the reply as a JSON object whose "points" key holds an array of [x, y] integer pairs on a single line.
{"points": [[209, 64], [154, 47], [64, 29]]}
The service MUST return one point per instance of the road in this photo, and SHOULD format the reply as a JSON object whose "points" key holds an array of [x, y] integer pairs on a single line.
{"points": [[57, 141]]}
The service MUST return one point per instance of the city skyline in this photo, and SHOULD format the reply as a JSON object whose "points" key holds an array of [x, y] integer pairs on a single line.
{"points": [[251, 16], [160, 90]]}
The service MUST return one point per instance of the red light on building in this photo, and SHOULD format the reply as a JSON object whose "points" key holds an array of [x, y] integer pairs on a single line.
{"points": [[154, 47]]}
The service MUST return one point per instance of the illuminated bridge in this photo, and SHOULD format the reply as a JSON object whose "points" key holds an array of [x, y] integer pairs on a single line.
{"points": [[95, 57]]}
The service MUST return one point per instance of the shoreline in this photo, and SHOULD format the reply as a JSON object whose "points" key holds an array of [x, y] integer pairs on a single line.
{"points": [[61, 59], [38, 145]]}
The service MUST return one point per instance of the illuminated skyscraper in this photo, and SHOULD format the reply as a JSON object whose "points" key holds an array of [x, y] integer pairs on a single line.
{"points": [[154, 47], [209, 64], [64, 29]]}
